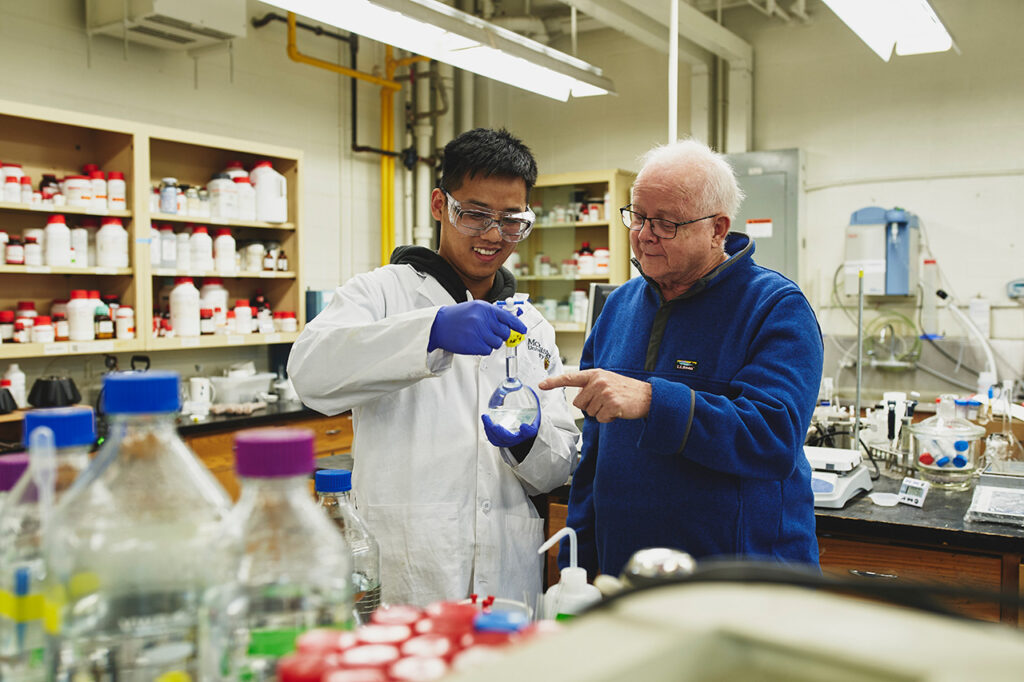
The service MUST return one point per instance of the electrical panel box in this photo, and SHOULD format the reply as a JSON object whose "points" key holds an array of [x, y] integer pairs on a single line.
{"points": [[884, 244], [168, 24], [769, 214]]}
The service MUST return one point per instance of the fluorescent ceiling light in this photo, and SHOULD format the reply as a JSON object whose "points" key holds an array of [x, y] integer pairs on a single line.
{"points": [[911, 26], [435, 30]]}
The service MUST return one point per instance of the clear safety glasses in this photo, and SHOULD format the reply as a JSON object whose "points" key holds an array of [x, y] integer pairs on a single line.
{"points": [[513, 226], [663, 229]]}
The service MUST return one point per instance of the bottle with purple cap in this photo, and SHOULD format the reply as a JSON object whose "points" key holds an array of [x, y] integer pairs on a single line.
{"points": [[294, 571]]}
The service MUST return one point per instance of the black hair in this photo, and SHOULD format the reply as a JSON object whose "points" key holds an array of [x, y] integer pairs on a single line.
{"points": [[487, 152]]}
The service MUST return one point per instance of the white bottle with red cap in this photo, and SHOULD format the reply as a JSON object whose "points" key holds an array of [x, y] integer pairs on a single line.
{"points": [[201, 246], [117, 198], [246, 198], [271, 193], [98, 202], [12, 189], [81, 311], [224, 252], [58, 242], [185, 307], [112, 244]]}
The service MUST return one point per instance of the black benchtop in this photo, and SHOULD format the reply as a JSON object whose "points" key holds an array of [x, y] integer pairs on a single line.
{"points": [[272, 415], [939, 522]]}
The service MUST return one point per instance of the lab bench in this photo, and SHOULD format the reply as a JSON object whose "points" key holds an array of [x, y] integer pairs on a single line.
{"points": [[213, 438], [931, 544]]}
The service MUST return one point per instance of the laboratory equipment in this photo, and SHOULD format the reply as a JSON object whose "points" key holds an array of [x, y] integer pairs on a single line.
{"points": [[54, 465], [513, 404], [884, 244], [947, 450], [294, 569], [913, 491], [988, 376], [138, 540], [571, 595], [999, 495], [837, 476], [333, 488]]}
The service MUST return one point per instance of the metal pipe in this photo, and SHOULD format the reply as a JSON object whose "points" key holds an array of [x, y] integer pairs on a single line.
{"points": [[423, 132], [673, 71], [296, 56], [860, 356]]}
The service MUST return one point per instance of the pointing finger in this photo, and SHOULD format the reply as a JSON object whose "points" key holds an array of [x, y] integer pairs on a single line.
{"points": [[567, 379]]}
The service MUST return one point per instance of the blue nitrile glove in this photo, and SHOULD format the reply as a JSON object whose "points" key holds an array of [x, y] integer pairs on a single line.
{"points": [[472, 328], [503, 438]]}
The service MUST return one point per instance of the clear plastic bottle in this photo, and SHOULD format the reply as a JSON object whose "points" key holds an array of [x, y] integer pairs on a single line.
{"points": [[139, 541], [22, 565], [294, 572], [333, 488]]}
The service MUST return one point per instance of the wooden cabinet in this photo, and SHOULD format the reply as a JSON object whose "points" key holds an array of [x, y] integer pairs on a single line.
{"points": [[332, 435], [556, 236], [60, 142], [845, 557]]}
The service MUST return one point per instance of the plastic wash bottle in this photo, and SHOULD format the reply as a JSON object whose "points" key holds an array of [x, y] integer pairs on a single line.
{"points": [[572, 594]]}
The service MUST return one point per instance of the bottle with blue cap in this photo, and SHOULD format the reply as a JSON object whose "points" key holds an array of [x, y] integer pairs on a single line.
{"points": [[69, 434], [333, 492], [138, 541], [294, 570]]}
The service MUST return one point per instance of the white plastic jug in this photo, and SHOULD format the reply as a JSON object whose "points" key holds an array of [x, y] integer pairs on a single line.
{"points": [[271, 193]]}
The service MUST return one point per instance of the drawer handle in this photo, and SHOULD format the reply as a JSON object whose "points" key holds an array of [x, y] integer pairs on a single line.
{"points": [[332, 432], [872, 574]]}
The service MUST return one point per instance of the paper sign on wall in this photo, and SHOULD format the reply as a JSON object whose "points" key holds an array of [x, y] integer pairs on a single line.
{"points": [[759, 228]]}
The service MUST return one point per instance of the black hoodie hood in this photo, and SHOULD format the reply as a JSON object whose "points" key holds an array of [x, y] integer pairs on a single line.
{"points": [[430, 263]]}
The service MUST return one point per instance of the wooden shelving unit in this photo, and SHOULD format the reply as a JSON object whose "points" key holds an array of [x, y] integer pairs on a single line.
{"points": [[558, 240], [47, 140]]}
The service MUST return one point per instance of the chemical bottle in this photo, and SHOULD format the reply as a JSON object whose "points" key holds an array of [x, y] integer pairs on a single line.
{"points": [[58, 242], [243, 316], [214, 296], [80, 247], [223, 197], [224, 252], [184, 307], [23, 526], [112, 244], [246, 198], [271, 193], [26, 189], [201, 246], [294, 569], [333, 492], [572, 594], [81, 312], [585, 261], [33, 252], [139, 540], [168, 247], [98, 180], [116, 197], [183, 252], [17, 388], [235, 169]]}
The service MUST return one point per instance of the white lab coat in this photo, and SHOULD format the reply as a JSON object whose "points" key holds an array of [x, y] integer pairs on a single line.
{"points": [[449, 509]]}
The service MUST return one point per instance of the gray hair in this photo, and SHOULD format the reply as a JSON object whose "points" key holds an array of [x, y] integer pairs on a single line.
{"points": [[699, 175]]}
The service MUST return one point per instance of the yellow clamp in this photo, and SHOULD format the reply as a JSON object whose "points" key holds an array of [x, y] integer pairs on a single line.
{"points": [[514, 338]]}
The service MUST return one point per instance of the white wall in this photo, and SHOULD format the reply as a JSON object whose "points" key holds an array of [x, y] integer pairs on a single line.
{"points": [[941, 135]]}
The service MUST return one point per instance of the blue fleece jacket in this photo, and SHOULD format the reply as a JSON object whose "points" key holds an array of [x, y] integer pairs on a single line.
{"points": [[717, 467]]}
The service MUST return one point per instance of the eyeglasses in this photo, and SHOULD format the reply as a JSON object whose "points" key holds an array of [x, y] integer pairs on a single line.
{"points": [[664, 229], [513, 226]]}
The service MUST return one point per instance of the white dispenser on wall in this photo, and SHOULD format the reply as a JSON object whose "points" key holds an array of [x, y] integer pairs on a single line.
{"points": [[884, 244], [572, 594]]}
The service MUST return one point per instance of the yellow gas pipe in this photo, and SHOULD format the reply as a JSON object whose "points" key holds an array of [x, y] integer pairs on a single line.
{"points": [[388, 86]]}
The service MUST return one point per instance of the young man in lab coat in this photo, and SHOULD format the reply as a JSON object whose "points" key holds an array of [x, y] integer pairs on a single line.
{"points": [[415, 349]]}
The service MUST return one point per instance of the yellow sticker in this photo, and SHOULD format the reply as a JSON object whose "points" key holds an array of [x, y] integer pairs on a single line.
{"points": [[514, 338]]}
